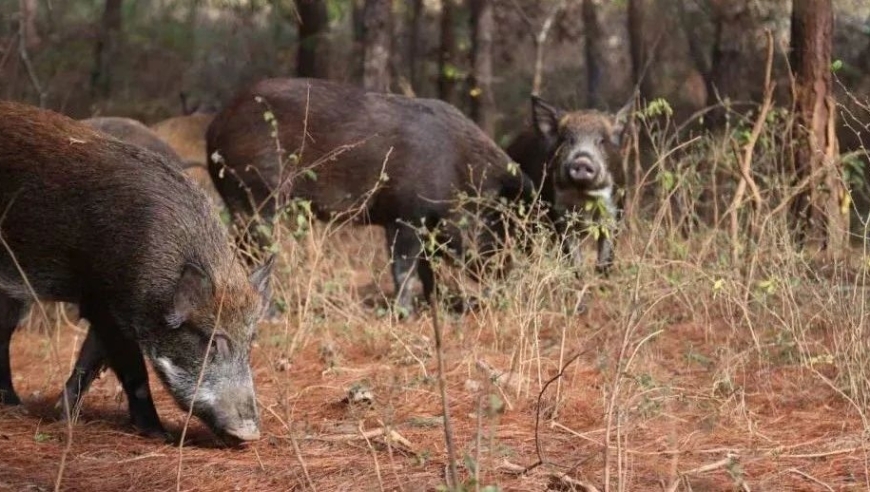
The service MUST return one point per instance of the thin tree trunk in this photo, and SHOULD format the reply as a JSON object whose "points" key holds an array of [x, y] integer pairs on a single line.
{"points": [[313, 24], [594, 56], [447, 54], [106, 51], [28, 17], [377, 40], [482, 98], [818, 209], [638, 48], [414, 51]]}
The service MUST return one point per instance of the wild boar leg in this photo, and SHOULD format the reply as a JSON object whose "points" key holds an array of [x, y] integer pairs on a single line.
{"points": [[90, 363], [408, 265], [11, 312], [607, 220], [605, 254], [125, 359], [572, 249]]}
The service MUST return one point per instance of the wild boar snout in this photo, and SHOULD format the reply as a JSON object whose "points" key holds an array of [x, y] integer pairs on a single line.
{"points": [[582, 169], [223, 398]]}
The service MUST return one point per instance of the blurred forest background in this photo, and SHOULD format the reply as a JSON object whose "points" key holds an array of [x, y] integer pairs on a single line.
{"points": [[134, 58]]}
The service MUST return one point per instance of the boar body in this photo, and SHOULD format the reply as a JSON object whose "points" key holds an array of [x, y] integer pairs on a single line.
{"points": [[574, 159], [133, 132], [174, 140], [382, 159], [120, 232], [186, 135]]}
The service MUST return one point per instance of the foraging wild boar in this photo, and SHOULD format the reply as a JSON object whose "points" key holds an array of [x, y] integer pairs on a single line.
{"points": [[574, 159], [186, 135], [169, 145], [117, 230], [382, 159], [133, 132]]}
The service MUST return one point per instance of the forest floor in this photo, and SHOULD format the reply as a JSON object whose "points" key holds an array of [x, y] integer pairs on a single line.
{"points": [[699, 403]]}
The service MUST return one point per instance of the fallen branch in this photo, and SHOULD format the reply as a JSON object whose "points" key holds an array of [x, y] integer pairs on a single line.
{"points": [[392, 435], [726, 462], [565, 482]]}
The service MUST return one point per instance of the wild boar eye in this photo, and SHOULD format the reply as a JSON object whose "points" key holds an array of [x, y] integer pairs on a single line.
{"points": [[599, 140], [220, 346]]}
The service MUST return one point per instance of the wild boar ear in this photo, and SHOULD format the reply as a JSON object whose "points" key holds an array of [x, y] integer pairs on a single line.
{"points": [[193, 291], [620, 122], [260, 279], [546, 118]]}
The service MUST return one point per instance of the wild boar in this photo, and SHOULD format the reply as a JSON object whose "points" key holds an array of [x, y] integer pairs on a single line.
{"points": [[186, 135], [574, 159], [186, 151], [382, 159], [119, 231], [132, 131]]}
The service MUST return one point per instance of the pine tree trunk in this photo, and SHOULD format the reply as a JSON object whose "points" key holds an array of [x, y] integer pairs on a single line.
{"points": [[447, 55], [377, 41], [482, 98], [817, 211], [415, 39], [638, 46], [314, 21], [106, 51], [594, 55]]}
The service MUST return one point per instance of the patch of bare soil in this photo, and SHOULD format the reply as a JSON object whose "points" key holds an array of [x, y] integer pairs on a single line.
{"points": [[770, 428]]}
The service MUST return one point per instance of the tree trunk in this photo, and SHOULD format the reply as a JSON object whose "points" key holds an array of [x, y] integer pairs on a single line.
{"points": [[414, 54], [594, 54], [482, 98], [313, 24], [28, 17], [447, 54], [106, 51], [817, 210], [639, 47], [377, 38]]}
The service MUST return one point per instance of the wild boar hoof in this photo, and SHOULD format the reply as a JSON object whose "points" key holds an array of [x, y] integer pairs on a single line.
{"points": [[9, 398], [403, 311], [154, 433]]}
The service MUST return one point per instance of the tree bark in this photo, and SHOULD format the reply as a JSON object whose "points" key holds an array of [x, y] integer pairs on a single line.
{"points": [[313, 24], [821, 211], [447, 54], [107, 48], [592, 34], [639, 47], [377, 41], [482, 98], [414, 41], [28, 17], [636, 41]]}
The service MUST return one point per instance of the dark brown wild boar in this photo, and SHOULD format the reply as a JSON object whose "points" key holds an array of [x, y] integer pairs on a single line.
{"points": [[392, 161], [117, 230], [574, 159]]}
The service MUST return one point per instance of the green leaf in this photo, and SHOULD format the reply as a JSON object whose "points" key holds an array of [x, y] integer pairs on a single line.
{"points": [[668, 180], [836, 65], [470, 464]]}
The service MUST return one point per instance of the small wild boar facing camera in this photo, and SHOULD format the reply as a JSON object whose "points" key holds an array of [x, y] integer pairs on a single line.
{"points": [[383, 159], [119, 231], [574, 159]]}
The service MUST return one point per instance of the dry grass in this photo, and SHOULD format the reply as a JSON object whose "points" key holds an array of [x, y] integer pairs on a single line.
{"points": [[688, 370]]}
